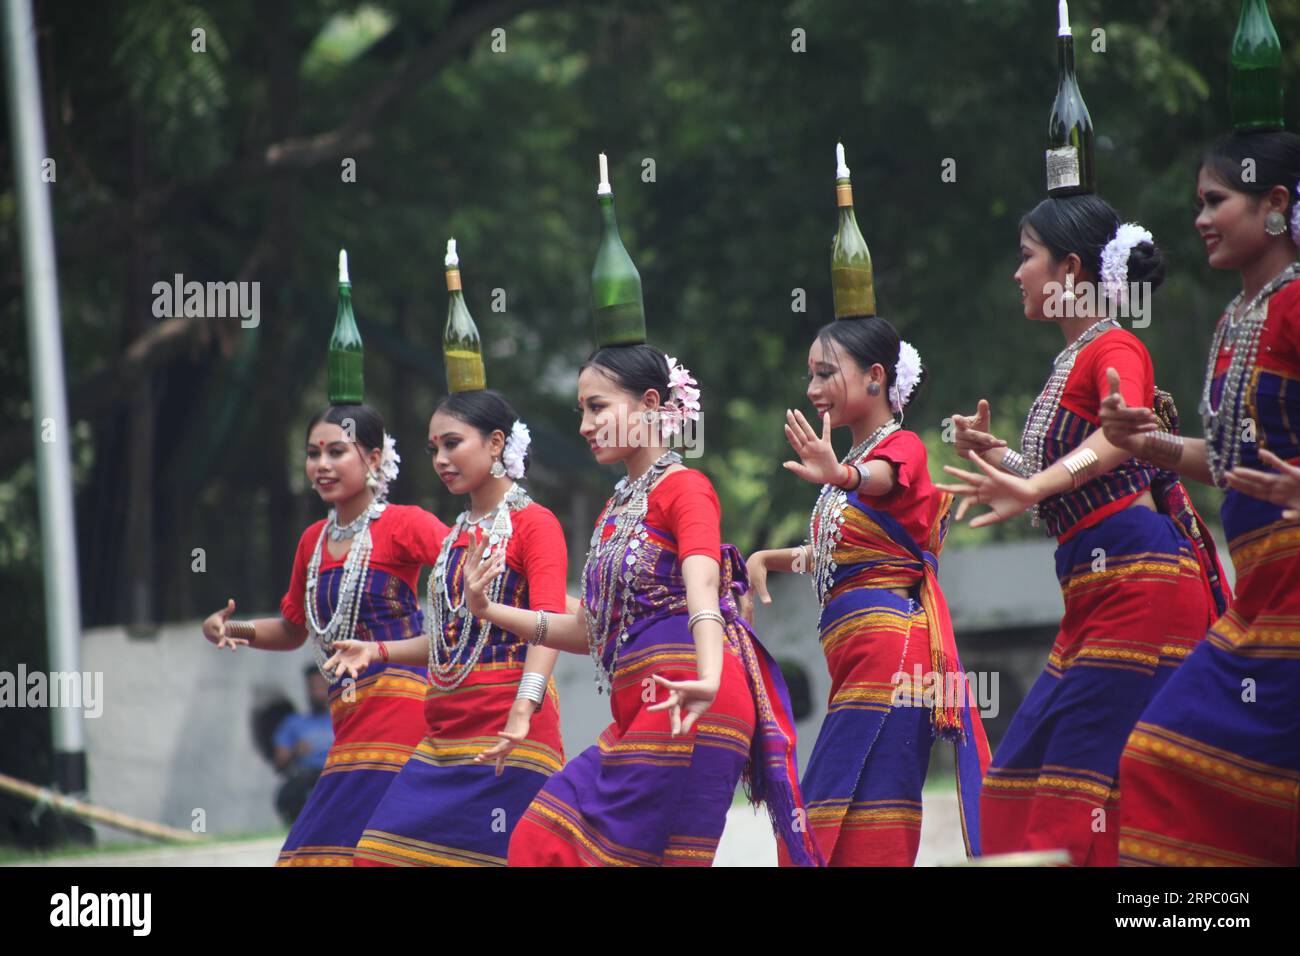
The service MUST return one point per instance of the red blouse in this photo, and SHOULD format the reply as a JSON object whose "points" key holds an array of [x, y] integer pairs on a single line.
{"points": [[913, 501], [404, 539], [684, 505], [1087, 387], [538, 551], [1279, 340]]}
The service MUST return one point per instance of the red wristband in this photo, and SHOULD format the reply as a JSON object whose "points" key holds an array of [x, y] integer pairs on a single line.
{"points": [[383, 651]]}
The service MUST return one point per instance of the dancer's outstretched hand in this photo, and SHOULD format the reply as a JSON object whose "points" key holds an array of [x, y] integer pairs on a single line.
{"points": [[479, 573], [973, 433], [1123, 426], [1006, 495], [517, 724], [817, 463], [1280, 488], [691, 696], [214, 628], [351, 658]]}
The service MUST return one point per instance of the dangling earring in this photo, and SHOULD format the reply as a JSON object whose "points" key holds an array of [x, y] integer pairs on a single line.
{"points": [[1275, 223], [498, 469], [372, 481], [1068, 295], [873, 388]]}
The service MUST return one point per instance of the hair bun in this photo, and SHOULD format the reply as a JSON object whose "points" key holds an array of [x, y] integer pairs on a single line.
{"points": [[1146, 263]]}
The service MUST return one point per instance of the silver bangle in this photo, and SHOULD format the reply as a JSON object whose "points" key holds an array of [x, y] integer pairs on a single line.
{"points": [[532, 687], [1013, 462], [864, 474], [543, 625], [705, 616]]}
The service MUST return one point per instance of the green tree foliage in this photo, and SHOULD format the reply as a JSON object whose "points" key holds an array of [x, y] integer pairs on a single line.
{"points": [[227, 165]]}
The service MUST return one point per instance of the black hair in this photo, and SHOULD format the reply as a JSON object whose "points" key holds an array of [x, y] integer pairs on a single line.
{"points": [[1275, 156], [485, 409], [1083, 225], [367, 424], [634, 368], [871, 341]]}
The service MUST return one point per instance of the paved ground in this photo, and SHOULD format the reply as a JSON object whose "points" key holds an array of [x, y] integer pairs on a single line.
{"points": [[747, 841]]}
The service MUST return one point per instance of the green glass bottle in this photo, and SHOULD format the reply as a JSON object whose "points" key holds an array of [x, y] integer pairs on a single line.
{"points": [[1255, 70], [616, 301], [346, 379], [462, 349], [1070, 166], [853, 287]]}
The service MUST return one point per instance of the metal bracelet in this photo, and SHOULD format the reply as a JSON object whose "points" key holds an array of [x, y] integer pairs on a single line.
{"points": [[1013, 463], [532, 686], [1080, 465], [1163, 448], [543, 625], [241, 630], [864, 475], [705, 616]]}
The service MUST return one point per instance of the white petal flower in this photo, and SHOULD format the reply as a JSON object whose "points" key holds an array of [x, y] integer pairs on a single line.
{"points": [[516, 448]]}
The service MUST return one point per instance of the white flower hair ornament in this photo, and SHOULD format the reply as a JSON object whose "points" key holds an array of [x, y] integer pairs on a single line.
{"points": [[512, 456], [907, 374], [388, 467], [1114, 259], [683, 401], [1295, 216]]}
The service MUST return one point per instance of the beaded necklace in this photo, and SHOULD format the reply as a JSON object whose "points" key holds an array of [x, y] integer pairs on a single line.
{"points": [[1223, 422], [828, 516], [450, 664], [342, 623], [626, 545], [1048, 403]]}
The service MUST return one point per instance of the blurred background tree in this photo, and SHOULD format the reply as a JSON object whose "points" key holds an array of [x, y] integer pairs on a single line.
{"points": [[228, 165]]}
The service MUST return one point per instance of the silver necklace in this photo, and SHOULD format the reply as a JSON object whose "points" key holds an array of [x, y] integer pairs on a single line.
{"points": [[625, 547], [342, 623], [1048, 403], [347, 532], [450, 664], [1223, 422], [824, 525]]}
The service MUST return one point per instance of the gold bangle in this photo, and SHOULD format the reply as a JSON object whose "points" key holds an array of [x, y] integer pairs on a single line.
{"points": [[1080, 465], [241, 630], [1163, 448]]}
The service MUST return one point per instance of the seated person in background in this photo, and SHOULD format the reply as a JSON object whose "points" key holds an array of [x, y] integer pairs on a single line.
{"points": [[301, 743]]}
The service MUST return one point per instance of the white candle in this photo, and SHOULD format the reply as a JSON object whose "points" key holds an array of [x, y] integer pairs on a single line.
{"points": [[452, 259], [841, 168], [1064, 11], [603, 189], [343, 266]]}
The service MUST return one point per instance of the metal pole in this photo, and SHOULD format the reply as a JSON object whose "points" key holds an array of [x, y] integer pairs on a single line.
{"points": [[49, 397]]}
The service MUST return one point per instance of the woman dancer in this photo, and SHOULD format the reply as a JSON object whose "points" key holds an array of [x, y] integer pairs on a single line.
{"points": [[696, 701], [354, 578], [1136, 566], [1212, 770], [876, 533], [462, 792]]}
